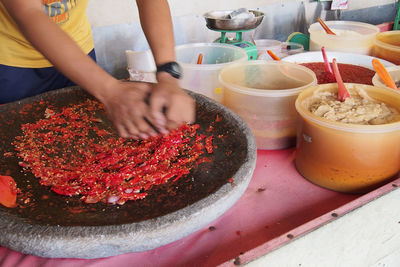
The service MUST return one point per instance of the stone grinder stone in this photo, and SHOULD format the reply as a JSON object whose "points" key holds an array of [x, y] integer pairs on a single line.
{"points": [[51, 228]]}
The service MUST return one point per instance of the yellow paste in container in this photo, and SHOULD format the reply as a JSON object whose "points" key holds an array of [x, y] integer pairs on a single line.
{"points": [[357, 109]]}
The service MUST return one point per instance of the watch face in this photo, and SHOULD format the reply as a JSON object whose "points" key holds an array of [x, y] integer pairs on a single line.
{"points": [[172, 68], [176, 68]]}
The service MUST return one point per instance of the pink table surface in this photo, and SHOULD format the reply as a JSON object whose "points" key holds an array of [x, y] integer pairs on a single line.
{"points": [[278, 206]]}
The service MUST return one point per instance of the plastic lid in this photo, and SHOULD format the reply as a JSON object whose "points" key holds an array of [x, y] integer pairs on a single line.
{"points": [[300, 38], [364, 30], [249, 71]]}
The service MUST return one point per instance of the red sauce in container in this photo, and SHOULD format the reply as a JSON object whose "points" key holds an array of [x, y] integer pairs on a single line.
{"points": [[350, 73]]}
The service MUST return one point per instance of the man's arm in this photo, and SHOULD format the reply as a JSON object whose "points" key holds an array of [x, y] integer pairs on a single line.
{"points": [[124, 101], [156, 22]]}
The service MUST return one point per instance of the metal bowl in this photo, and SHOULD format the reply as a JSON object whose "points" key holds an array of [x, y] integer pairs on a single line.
{"points": [[218, 20]]}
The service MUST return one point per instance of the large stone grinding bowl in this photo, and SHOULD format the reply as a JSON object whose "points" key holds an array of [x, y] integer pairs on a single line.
{"points": [[64, 227]]}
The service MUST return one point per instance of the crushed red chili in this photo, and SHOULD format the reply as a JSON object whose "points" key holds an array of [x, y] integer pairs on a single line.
{"points": [[350, 73], [70, 153]]}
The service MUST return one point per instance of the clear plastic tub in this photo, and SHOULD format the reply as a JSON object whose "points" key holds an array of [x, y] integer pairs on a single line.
{"points": [[351, 37], [280, 49], [345, 157], [387, 46], [263, 93], [394, 72], [267, 44], [203, 78]]}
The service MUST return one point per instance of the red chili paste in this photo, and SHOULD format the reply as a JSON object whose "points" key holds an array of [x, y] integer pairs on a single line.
{"points": [[350, 73], [71, 153]]}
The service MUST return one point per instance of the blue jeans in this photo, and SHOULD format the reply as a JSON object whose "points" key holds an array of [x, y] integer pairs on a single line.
{"points": [[18, 83]]}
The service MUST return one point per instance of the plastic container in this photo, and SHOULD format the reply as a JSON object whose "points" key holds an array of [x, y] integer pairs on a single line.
{"points": [[351, 37], [141, 66], [341, 57], [300, 38], [347, 157], [394, 72], [280, 49], [203, 78], [267, 44], [263, 93], [289, 48], [387, 46]]}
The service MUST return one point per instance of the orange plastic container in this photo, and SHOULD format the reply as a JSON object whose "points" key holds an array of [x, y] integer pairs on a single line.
{"points": [[387, 46], [347, 157]]}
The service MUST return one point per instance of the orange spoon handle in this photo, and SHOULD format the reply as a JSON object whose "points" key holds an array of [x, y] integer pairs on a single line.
{"points": [[200, 58], [326, 62], [342, 93], [326, 28], [383, 74], [274, 57]]}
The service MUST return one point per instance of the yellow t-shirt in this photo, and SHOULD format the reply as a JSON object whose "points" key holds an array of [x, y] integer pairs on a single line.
{"points": [[70, 15]]}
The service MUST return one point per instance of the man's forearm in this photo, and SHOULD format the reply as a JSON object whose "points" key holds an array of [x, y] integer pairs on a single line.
{"points": [[155, 18]]}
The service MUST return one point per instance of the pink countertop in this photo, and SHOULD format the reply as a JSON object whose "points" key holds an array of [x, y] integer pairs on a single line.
{"points": [[278, 206]]}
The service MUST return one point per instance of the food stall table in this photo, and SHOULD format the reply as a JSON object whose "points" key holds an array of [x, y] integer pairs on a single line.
{"points": [[278, 207]]}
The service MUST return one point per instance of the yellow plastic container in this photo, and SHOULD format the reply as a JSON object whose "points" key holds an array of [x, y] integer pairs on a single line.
{"points": [[387, 46], [263, 94], [347, 157], [351, 36]]}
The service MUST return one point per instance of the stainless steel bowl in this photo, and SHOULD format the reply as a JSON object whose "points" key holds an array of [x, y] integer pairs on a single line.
{"points": [[218, 20]]}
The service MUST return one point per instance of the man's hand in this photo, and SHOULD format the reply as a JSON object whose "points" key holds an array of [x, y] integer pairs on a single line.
{"points": [[167, 95], [125, 105]]}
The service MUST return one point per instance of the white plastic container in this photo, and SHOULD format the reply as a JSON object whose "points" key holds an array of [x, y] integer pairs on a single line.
{"points": [[341, 57], [263, 93], [141, 66], [351, 36], [267, 44], [203, 78], [280, 49], [394, 72]]}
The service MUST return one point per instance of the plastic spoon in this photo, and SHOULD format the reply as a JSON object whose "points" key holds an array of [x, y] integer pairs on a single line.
{"points": [[200, 59], [342, 92], [384, 74], [326, 28], [326, 62], [274, 57]]}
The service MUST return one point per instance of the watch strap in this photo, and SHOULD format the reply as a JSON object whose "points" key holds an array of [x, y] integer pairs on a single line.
{"points": [[172, 68]]}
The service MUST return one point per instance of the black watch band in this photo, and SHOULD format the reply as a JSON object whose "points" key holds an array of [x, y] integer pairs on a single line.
{"points": [[172, 68]]}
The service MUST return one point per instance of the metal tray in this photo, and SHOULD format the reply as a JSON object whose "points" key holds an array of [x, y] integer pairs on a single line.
{"points": [[216, 20]]}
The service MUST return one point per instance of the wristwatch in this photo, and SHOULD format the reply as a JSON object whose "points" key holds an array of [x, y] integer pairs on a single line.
{"points": [[172, 68]]}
